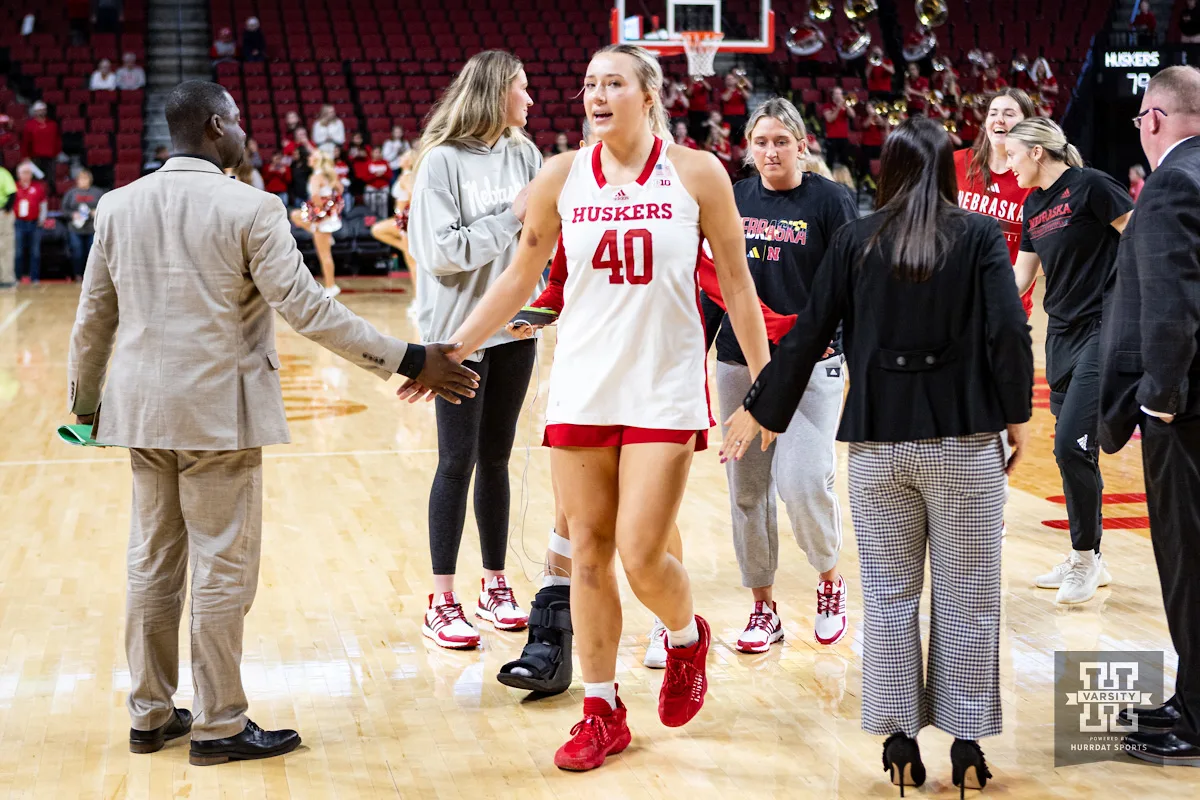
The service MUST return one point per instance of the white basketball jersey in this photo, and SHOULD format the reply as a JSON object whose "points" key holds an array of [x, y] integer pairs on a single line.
{"points": [[631, 334]]}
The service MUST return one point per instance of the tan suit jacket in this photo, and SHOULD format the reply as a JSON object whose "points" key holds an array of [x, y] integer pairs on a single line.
{"points": [[184, 271]]}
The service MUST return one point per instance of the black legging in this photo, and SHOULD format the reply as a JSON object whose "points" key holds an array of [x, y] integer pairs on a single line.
{"points": [[477, 436], [1073, 372]]}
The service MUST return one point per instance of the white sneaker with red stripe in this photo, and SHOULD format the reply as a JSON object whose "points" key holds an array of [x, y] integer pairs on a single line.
{"points": [[831, 611], [498, 606], [447, 626], [764, 629], [656, 649]]}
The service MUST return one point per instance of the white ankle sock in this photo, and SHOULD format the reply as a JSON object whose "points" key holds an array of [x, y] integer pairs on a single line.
{"points": [[556, 580], [605, 690], [684, 638]]}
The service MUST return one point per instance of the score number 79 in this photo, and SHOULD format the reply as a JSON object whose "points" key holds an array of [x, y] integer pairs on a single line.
{"points": [[1138, 81]]}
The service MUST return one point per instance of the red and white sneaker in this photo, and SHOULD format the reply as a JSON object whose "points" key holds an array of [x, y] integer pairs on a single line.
{"points": [[683, 689], [764, 629], [601, 733], [831, 612], [446, 624], [498, 606]]}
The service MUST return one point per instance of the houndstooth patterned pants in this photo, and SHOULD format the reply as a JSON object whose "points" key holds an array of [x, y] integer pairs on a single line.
{"points": [[948, 494]]}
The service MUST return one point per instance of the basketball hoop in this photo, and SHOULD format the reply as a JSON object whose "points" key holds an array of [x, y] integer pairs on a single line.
{"points": [[701, 48]]}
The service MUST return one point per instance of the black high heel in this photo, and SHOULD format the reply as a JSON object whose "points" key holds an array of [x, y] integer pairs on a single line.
{"points": [[970, 770], [902, 758]]}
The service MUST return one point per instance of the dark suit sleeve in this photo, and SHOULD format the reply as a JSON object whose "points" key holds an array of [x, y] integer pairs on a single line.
{"points": [[1167, 245], [713, 315], [773, 398], [1010, 348]]}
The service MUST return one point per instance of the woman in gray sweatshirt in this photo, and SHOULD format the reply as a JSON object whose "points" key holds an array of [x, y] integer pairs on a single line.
{"points": [[467, 210]]}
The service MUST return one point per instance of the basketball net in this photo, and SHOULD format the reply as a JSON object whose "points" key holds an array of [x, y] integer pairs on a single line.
{"points": [[701, 48]]}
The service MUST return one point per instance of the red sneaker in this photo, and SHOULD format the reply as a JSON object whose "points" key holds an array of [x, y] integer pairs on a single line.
{"points": [[683, 690], [601, 733]]}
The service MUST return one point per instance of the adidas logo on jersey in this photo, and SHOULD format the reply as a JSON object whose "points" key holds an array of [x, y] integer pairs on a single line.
{"points": [[1082, 442], [620, 196], [1065, 195], [994, 188]]}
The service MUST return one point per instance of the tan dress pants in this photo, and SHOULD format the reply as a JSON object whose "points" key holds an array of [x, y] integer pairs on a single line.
{"points": [[206, 507]]}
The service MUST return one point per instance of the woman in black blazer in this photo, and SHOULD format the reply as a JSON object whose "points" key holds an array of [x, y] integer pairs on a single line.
{"points": [[941, 363]]}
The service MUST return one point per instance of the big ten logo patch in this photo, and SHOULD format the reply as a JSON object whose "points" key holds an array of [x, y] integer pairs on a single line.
{"points": [[309, 394]]}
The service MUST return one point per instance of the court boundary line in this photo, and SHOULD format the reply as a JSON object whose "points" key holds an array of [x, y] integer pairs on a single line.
{"points": [[14, 314]]}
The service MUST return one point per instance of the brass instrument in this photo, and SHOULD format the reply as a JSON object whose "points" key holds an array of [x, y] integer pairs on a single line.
{"points": [[950, 125], [881, 108], [860, 10], [900, 106], [820, 10], [977, 58], [932, 13], [742, 80], [967, 100], [1020, 63], [851, 101], [1035, 98], [854, 43], [926, 42], [875, 59], [806, 39], [941, 64], [895, 118]]}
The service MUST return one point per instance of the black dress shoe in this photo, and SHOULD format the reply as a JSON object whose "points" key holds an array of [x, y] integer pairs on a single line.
{"points": [[180, 724], [1166, 749], [1160, 719], [253, 742]]}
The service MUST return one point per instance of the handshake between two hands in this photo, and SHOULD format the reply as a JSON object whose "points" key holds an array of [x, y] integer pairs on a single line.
{"points": [[443, 376]]}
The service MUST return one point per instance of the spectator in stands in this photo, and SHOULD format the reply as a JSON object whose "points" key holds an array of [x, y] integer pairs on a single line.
{"points": [[1189, 23], [291, 121], [1137, 179], [734, 99], [30, 210], [681, 136], [247, 174], [992, 82], [40, 140], [254, 44], [1045, 84], [836, 117], [395, 148], [841, 174], [253, 155], [299, 153], [675, 100], [277, 177], [155, 162], [875, 130], [561, 145], [130, 77], [328, 131], [880, 74], [8, 198], [107, 16], [719, 145], [341, 167], [1019, 76], [224, 47], [1144, 23], [951, 92], [375, 175], [103, 79], [79, 210], [8, 137], [357, 150], [698, 95]]}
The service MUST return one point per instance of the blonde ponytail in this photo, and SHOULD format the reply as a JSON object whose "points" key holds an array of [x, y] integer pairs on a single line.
{"points": [[1045, 133], [649, 76]]}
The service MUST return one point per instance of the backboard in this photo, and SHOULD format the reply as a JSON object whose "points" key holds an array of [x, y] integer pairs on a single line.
{"points": [[749, 27]]}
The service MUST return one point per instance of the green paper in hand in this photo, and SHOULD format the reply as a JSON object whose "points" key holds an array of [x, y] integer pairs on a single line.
{"points": [[78, 435]]}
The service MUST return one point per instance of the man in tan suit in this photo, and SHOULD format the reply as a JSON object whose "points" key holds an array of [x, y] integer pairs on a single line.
{"points": [[186, 268]]}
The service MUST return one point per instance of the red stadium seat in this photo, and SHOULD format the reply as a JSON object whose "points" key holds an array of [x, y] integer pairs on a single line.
{"points": [[96, 140], [126, 174], [99, 157]]}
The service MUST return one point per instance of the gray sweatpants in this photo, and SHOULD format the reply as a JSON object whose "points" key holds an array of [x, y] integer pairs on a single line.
{"points": [[800, 465]]}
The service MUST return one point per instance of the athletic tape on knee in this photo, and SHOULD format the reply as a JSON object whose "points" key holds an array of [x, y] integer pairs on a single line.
{"points": [[558, 545]]}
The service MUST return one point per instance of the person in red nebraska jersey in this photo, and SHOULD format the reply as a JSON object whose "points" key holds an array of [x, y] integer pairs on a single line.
{"points": [[916, 90], [879, 76], [698, 94], [277, 176], [985, 184], [376, 177], [30, 211], [40, 140]]}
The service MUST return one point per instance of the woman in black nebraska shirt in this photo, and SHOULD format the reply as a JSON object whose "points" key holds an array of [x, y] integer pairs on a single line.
{"points": [[1073, 221], [940, 363], [788, 218]]}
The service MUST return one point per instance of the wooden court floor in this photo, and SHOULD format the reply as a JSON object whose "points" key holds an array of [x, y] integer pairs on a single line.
{"points": [[333, 644]]}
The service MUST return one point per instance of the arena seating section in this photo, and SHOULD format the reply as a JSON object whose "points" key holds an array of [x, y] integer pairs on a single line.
{"points": [[384, 62], [103, 128]]}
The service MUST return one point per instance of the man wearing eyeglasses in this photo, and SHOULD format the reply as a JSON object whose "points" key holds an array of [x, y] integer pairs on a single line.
{"points": [[1149, 358]]}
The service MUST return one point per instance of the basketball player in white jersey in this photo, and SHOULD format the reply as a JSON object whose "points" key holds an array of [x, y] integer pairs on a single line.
{"points": [[628, 393]]}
